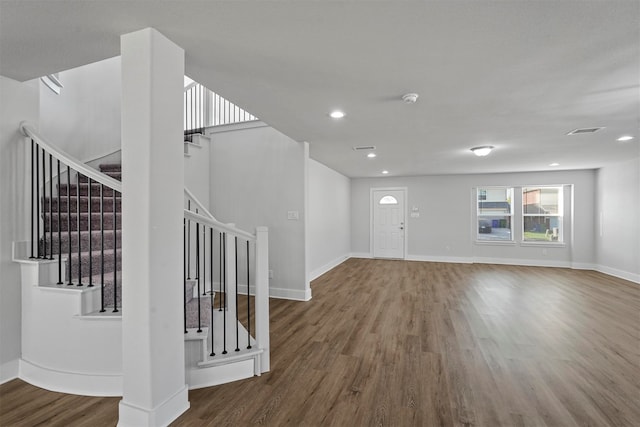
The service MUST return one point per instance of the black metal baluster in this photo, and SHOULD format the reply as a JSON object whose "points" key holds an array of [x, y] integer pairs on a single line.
{"points": [[184, 269], [220, 272], [50, 206], [79, 239], [204, 257], [248, 301], [59, 230], [198, 273], [211, 293], [189, 242], [44, 209], [70, 281], [102, 310], [237, 319], [115, 255], [224, 281], [90, 233], [38, 197], [33, 184]]}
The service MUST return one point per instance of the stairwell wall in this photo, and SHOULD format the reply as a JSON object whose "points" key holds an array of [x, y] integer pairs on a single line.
{"points": [[84, 120], [18, 102], [258, 179]]}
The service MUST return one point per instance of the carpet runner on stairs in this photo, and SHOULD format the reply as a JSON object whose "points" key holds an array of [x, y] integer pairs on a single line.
{"points": [[63, 233]]}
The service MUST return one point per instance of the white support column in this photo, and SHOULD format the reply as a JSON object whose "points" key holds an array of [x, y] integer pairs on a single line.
{"points": [[154, 389], [262, 295]]}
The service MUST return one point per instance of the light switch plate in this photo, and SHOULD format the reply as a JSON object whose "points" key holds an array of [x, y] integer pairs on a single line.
{"points": [[294, 215]]}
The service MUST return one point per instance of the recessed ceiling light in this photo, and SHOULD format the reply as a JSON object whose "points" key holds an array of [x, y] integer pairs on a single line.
{"points": [[554, 164], [371, 155], [483, 150], [337, 114], [625, 138], [385, 172]]}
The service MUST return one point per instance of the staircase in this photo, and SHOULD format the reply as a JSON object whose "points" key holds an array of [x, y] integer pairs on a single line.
{"points": [[89, 241], [71, 269]]}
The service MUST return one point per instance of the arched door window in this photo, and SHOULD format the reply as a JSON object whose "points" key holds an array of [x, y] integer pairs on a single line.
{"points": [[388, 200]]}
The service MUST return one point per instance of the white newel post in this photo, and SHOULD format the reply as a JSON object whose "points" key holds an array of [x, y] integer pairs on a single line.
{"points": [[262, 295], [230, 275], [154, 389]]}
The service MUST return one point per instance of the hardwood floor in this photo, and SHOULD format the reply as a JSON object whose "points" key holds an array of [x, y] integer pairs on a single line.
{"points": [[420, 344]]}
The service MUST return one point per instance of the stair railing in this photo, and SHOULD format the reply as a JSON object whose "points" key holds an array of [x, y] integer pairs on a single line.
{"points": [[234, 263], [48, 167]]}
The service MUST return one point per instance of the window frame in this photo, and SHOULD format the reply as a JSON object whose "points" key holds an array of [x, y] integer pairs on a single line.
{"points": [[480, 195], [559, 215]]}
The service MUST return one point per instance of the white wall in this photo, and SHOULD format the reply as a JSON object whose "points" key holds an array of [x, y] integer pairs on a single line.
{"points": [[617, 218], [84, 120], [445, 230], [329, 227], [257, 177], [18, 101]]}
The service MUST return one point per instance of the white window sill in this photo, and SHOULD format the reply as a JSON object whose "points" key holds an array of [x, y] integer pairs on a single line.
{"points": [[496, 242], [544, 244]]}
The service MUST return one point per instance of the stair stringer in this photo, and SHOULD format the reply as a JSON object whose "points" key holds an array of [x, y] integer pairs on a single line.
{"points": [[64, 349]]}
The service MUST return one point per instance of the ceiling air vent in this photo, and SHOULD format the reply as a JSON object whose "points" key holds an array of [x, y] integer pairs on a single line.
{"points": [[584, 130], [364, 148]]}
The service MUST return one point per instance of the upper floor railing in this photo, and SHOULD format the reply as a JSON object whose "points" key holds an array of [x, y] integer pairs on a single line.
{"points": [[204, 108]]}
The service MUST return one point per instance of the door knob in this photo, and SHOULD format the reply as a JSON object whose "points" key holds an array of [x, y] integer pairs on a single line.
{"points": [[401, 228]]}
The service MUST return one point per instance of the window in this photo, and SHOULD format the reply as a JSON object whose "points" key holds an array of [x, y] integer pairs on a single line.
{"points": [[542, 214], [494, 214], [388, 200]]}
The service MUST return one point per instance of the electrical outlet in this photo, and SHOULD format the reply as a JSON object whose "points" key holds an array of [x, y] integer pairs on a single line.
{"points": [[270, 274]]}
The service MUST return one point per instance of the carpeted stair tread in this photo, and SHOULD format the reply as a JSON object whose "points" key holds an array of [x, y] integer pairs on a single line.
{"points": [[192, 312], [96, 241], [82, 260], [72, 222], [113, 174], [110, 167], [63, 203], [72, 189]]}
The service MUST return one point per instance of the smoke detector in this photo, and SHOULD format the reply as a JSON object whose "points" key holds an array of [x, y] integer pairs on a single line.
{"points": [[410, 98]]}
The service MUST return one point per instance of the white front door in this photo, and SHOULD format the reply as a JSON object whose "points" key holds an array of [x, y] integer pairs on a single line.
{"points": [[388, 223]]}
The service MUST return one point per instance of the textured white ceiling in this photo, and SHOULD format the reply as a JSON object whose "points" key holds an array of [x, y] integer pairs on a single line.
{"points": [[517, 75]]}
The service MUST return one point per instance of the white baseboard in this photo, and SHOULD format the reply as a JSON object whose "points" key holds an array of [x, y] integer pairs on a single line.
{"points": [[200, 377], [328, 266], [621, 274], [583, 266], [524, 262], [161, 415], [9, 371], [292, 294], [360, 255], [449, 259], [102, 385]]}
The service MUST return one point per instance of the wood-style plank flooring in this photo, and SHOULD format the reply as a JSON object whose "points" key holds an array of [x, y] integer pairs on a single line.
{"points": [[403, 343]]}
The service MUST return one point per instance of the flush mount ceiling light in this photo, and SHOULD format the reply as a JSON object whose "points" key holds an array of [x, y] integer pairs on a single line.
{"points": [[337, 114], [371, 155], [385, 172], [554, 164], [410, 98], [625, 138], [483, 150], [585, 130]]}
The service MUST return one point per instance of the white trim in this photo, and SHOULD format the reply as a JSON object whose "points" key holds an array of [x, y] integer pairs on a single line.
{"points": [[71, 161], [542, 244], [621, 274], [495, 242], [235, 126], [328, 266], [448, 259], [85, 384], [361, 255], [583, 266], [161, 415], [292, 294], [405, 190], [523, 262], [9, 370]]}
